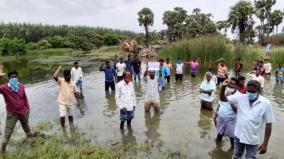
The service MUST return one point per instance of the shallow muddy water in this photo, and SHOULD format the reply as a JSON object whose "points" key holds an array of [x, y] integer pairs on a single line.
{"points": [[181, 128]]}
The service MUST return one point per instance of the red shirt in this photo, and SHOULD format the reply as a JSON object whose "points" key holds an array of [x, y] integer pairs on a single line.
{"points": [[16, 103], [242, 89]]}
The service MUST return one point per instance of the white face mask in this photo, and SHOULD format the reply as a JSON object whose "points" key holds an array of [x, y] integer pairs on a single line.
{"points": [[230, 90]]}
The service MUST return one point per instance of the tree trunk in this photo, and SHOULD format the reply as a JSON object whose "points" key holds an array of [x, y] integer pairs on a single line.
{"points": [[276, 29], [146, 35]]}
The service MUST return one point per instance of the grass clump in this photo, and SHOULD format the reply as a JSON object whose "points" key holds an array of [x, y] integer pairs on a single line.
{"points": [[209, 49]]}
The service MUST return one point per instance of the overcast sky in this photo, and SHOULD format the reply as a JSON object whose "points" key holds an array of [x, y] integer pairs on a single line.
{"points": [[120, 14]]}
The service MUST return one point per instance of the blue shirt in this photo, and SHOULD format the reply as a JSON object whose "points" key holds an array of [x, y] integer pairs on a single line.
{"points": [[164, 71], [109, 74]]}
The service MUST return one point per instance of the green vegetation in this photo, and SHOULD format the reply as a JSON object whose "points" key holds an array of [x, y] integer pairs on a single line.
{"points": [[17, 39], [76, 147], [208, 50]]}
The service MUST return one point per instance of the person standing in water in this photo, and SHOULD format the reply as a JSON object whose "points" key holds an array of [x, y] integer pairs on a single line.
{"points": [[255, 75], [110, 75], [17, 107], [128, 63], [152, 97], [268, 68], [194, 65], [207, 90], [136, 68], [162, 74], [226, 114], [67, 88], [126, 100], [222, 74], [120, 68], [76, 76], [170, 67], [279, 74], [238, 67], [179, 70], [253, 112]]}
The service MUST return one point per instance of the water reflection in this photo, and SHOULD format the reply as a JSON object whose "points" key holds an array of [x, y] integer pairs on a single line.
{"points": [[128, 138], [152, 123], [205, 123], [110, 105]]}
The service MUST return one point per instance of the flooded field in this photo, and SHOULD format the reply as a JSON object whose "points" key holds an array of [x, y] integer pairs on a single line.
{"points": [[181, 128]]}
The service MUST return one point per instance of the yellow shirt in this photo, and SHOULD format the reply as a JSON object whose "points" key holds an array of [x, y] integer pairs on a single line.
{"points": [[66, 91]]}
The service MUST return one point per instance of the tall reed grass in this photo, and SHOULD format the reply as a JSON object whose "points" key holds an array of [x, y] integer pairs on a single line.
{"points": [[207, 50], [52, 52]]}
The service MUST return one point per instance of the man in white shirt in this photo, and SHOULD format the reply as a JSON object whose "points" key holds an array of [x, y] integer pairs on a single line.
{"points": [[125, 100], [120, 68], [179, 69], [76, 76], [267, 67], [255, 75], [152, 97], [253, 111], [207, 89]]}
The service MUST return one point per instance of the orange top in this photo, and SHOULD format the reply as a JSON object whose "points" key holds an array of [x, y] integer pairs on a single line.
{"points": [[169, 65]]}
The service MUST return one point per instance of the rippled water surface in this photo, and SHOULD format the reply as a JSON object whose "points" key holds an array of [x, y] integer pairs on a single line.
{"points": [[181, 128]]}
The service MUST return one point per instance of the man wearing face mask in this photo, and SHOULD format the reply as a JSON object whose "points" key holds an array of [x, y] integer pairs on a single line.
{"points": [[17, 107], [125, 100], [152, 97], [226, 114], [254, 111], [67, 88]]}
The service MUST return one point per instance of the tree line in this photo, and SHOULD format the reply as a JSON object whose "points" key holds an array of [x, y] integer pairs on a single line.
{"points": [[181, 24], [16, 38]]}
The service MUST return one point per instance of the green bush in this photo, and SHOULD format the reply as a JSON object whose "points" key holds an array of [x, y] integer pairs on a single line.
{"points": [[44, 44], [110, 39], [12, 46], [57, 41], [32, 46]]}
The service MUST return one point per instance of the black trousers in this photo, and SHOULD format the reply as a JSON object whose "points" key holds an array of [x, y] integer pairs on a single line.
{"points": [[109, 84], [179, 77]]}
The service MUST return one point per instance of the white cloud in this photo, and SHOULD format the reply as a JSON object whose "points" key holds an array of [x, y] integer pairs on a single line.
{"points": [[121, 14]]}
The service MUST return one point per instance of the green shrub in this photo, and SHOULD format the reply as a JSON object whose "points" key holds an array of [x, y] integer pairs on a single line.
{"points": [[32, 46], [44, 44], [12, 46]]}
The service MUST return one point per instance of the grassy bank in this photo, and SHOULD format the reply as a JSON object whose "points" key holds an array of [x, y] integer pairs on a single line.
{"points": [[207, 50], [76, 147]]}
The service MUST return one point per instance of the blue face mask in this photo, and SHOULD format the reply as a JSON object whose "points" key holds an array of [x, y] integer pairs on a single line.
{"points": [[14, 84], [252, 96]]}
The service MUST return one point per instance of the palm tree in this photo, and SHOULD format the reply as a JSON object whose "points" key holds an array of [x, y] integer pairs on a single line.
{"points": [[240, 18], [276, 19], [146, 19]]}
